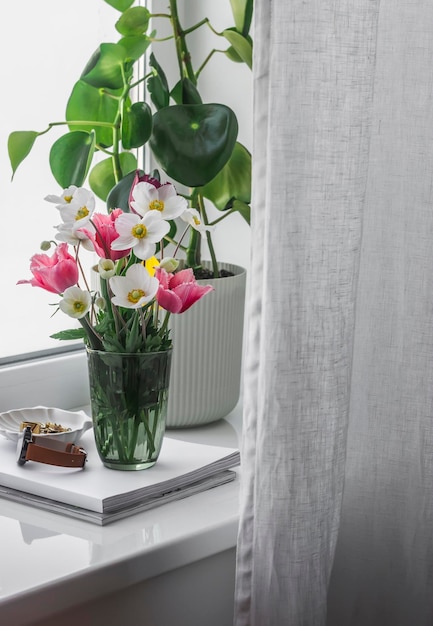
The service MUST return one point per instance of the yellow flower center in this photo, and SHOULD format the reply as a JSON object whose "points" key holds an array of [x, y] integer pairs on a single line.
{"points": [[139, 231], [79, 306], [156, 205], [83, 211], [135, 295], [68, 199], [197, 222]]}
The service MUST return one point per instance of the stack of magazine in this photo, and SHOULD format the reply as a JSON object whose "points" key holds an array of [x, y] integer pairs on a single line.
{"points": [[100, 495]]}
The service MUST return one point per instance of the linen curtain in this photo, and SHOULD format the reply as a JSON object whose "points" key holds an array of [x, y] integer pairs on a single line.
{"points": [[337, 485]]}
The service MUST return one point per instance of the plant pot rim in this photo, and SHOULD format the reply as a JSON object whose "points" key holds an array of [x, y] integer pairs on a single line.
{"points": [[94, 351], [238, 270]]}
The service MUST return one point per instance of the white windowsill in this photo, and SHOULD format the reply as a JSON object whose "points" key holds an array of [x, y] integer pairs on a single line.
{"points": [[55, 563]]}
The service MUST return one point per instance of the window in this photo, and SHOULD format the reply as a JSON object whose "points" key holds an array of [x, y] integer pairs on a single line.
{"points": [[43, 49]]}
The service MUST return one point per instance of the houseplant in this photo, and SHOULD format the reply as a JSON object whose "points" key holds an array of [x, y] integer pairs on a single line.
{"points": [[191, 142], [124, 322]]}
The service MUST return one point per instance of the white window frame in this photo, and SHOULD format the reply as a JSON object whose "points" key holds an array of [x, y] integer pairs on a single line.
{"points": [[59, 380]]}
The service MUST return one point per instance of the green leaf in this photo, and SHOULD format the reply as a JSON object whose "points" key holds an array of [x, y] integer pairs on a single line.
{"points": [[20, 143], [185, 92], [136, 125], [233, 55], [105, 67], [89, 103], [242, 45], [120, 5], [134, 21], [193, 142], [244, 209], [134, 337], [102, 179], [232, 182], [71, 156], [72, 333], [119, 194], [157, 85], [135, 46], [242, 12]]}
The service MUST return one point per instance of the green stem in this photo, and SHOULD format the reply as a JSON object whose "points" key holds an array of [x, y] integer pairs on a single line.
{"points": [[182, 52], [174, 243], [193, 250], [208, 237], [191, 29], [223, 217], [205, 62], [164, 324]]}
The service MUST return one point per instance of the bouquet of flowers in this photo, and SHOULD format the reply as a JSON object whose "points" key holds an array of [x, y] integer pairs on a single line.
{"points": [[138, 286]]}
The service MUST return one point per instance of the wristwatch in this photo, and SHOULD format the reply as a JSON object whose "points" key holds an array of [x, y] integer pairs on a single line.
{"points": [[45, 449]]}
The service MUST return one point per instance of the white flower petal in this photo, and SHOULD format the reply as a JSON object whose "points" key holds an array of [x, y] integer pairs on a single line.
{"points": [[143, 194], [76, 302], [144, 249], [135, 289]]}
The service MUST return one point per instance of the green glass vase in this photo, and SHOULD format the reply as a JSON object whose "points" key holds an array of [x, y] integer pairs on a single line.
{"points": [[128, 399]]}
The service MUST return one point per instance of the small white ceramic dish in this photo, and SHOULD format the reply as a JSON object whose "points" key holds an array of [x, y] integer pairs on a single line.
{"points": [[77, 421]]}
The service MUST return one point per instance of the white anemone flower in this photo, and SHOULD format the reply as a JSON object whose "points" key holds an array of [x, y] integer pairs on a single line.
{"points": [[163, 200], [74, 237], [78, 212], [141, 234], [193, 218], [65, 198], [76, 302], [135, 289]]}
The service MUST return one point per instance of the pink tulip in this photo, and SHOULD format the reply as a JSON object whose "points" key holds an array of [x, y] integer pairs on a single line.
{"points": [[55, 273], [105, 233], [177, 292]]}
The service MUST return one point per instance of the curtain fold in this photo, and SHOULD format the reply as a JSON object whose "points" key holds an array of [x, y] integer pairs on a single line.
{"points": [[336, 510], [383, 571], [314, 67]]}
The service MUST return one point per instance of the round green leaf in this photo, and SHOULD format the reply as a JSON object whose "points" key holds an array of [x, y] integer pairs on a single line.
{"points": [[102, 179], [136, 125], [135, 46], [193, 142], [232, 182], [105, 68], [134, 21], [20, 143], [120, 5], [89, 103], [71, 156]]}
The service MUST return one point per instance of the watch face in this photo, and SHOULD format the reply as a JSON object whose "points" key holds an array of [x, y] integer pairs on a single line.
{"points": [[23, 445]]}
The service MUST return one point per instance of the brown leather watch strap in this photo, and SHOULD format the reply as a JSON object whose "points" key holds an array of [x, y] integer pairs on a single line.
{"points": [[53, 452]]}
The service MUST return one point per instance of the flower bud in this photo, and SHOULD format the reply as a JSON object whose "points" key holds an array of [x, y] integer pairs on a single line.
{"points": [[100, 303], [169, 264], [45, 245], [106, 268]]}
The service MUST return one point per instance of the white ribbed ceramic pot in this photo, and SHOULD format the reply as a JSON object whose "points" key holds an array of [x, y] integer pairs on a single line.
{"points": [[207, 354]]}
